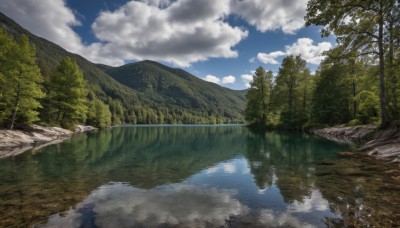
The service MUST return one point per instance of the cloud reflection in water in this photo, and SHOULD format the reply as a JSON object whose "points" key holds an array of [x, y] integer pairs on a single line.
{"points": [[121, 205]]}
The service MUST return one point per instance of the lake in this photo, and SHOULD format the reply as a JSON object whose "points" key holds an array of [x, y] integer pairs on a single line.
{"points": [[196, 176]]}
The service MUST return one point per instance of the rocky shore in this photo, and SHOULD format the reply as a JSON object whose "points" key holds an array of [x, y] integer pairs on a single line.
{"points": [[14, 142], [382, 145]]}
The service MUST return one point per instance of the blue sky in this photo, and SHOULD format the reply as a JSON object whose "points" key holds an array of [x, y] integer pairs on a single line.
{"points": [[220, 41]]}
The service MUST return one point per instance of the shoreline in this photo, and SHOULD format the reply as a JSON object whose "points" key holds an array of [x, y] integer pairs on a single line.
{"points": [[382, 145], [15, 142]]}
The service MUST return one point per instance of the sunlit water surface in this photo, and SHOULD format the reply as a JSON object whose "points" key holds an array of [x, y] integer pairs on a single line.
{"points": [[195, 176]]}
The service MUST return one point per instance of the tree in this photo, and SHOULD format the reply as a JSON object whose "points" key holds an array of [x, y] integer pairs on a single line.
{"points": [[289, 76], [291, 85], [258, 98], [369, 107], [21, 88], [359, 25], [68, 94], [332, 95], [99, 114], [6, 45]]}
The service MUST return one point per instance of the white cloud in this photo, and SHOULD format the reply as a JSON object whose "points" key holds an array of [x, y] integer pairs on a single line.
{"points": [[247, 78], [228, 79], [308, 51], [50, 19], [212, 78], [303, 46], [270, 58], [179, 32], [186, 31], [225, 80], [287, 15]]}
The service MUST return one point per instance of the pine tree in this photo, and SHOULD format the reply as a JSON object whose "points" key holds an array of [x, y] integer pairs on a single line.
{"points": [[6, 44], [21, 88], [258, 98], [68, 94]]}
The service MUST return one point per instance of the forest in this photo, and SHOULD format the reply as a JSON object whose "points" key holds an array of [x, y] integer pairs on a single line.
{"points": [[357, 83], [32, 91]]}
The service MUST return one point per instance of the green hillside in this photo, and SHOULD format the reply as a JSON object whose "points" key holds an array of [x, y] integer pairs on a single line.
{"points": [[173, 88], [148, 92]]}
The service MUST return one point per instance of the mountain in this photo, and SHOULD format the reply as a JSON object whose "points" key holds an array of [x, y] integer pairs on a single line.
{"points": [[146, 90], [99, 82], [177, 88]]}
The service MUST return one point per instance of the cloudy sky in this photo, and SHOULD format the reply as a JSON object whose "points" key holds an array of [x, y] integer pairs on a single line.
{"points": [[219, 41]]}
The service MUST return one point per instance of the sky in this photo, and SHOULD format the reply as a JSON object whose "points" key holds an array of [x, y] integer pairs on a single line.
{"points": [[220, 41]]}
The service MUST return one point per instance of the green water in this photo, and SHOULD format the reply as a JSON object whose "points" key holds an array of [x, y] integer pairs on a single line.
{"points": [[195, 176]]}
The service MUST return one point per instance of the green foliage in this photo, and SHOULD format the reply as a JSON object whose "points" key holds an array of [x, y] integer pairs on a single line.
{"points": [[368, 111], [99, 114], [67, 94], [20, 90], [6, 46], [332, 96], [258, 98], [367, 28], [285, 103], [291, 92]]}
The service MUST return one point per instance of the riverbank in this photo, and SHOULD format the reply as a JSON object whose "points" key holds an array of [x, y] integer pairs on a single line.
{"points": [[14, 142], [380, 144]]}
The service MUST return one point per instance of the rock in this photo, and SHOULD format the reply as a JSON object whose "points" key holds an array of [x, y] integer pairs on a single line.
{"points": [[385, 146], [14, 142], [82, 128], [345, 134]]}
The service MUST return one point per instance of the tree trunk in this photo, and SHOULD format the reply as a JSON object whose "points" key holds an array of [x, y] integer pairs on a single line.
{"points": [[264, 104], [304, 99], [354, 99], [16, 104], [392, 75], [384, 113], [59, 116], [15, 110]]}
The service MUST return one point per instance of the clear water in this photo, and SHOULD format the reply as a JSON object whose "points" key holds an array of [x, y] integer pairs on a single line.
{"points": [[195, 176]]}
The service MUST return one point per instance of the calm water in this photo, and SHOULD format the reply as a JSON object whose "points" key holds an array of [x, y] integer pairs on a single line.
{"points": [[195, 176]]}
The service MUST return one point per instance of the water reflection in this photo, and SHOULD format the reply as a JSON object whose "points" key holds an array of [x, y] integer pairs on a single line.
{"points": [[290, 157], [193, 176], [40, 183], [121, 205]]}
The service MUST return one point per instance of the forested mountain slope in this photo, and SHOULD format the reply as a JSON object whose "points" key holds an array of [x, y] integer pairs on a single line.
{"points": [[172, 87], [144, 92]]}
